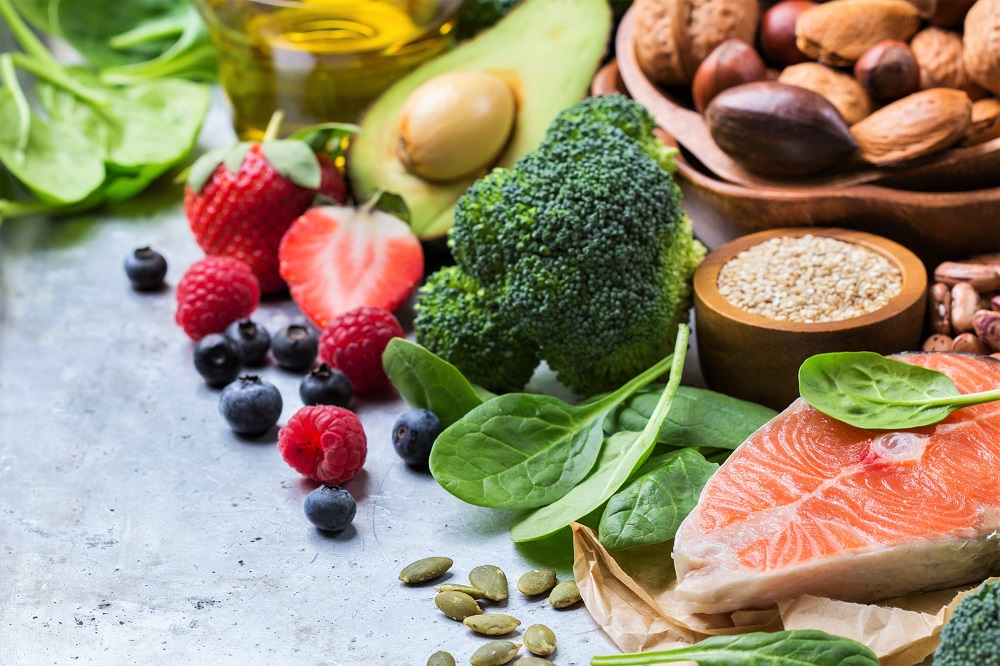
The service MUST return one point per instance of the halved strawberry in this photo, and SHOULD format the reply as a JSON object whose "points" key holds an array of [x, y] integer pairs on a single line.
{"points": [[337, 258]]}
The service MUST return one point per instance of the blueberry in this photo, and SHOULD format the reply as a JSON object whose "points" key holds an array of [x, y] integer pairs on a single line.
{"points": [[330, 508], [253, 338], [326, 386], [218, 359], [294, 347], [145, 269], [251, 406], [414, 435]]}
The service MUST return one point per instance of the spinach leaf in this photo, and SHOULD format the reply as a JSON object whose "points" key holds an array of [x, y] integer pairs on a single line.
{"points": [[697, 417], [652, 506], [800, 647], [867, 390], [521, 451], [427, 381], [622, 454]]}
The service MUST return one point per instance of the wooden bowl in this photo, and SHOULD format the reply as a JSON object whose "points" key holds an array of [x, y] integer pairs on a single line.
{"points": [[935, 225], [756, 358]]}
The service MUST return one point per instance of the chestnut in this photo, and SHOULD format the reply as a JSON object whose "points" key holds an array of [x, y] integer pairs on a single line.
{"points": [[777, 32], [731, 63], [888, 71]]}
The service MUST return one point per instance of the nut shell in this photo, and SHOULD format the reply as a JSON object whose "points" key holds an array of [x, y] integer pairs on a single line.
{"points": [[842, 90], [917, 125], [837, 33], [939, 54], [732, 63], [773, 128], [672, 37], [981, 53], [456, 125]]}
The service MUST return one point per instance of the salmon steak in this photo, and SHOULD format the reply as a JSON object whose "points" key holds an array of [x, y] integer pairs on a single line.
{"points": [[810, 505]]}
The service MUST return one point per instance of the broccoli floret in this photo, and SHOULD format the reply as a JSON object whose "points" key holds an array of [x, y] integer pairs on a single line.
{"points": [[477, 15], [458, 320], [583, 244], [971, 637]]}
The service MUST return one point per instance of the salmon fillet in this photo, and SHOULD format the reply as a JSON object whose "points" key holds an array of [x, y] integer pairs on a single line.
{"points": [[809, 505]]}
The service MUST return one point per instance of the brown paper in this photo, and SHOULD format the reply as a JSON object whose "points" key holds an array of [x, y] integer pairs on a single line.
{"points": [[630, 594]]}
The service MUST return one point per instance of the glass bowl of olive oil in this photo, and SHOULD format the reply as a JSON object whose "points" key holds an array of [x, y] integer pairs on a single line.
{"points": [[319, 60]]}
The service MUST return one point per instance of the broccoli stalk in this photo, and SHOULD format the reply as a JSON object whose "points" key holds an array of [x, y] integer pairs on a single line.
{"points": [[580, 254], [971, 636]]}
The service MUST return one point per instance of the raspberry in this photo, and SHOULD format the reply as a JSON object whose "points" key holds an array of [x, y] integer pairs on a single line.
{"points": [[214, 293], [325, 443], [353, 343]]}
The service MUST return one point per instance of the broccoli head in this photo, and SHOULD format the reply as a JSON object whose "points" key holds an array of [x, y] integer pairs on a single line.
{"points": [[971, 637], [458, 320], [582, 245]]}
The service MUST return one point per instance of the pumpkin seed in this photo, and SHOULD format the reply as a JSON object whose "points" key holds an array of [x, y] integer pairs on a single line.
{"points": [[494, 653], [537, 581], [492, 624], [424, 570], [457, 605], [533, 661], [564, 594], [441, 658], [539, 639], [473, 592], [491, 580]]}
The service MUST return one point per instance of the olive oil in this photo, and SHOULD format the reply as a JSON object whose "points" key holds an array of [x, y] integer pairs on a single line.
{"points": [[319, 60]]}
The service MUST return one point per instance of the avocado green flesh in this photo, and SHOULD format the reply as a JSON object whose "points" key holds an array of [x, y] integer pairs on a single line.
{"points": [[548, 50]]}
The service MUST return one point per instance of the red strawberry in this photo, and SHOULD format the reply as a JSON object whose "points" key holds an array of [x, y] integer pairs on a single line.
{"points": [[240, 202], [338, 258]]}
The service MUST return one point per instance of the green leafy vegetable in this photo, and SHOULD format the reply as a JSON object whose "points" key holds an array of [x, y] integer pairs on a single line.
{"points": [[622, 454], [652, 506], [867, 390], [697, 417], [521, 451], [804, 647], [427, 381]]}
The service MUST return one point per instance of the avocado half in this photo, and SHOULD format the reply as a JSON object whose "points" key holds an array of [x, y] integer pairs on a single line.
{"points": [[547, 50]]}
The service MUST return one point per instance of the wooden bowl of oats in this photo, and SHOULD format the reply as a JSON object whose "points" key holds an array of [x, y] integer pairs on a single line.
{"points": [[767, 301]]}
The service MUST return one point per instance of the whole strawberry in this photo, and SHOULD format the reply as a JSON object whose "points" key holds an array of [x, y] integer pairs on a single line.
{"points": [[214, 293], [240, 201]]}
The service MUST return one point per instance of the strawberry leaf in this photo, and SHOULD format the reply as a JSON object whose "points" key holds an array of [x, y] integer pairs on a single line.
{"points": [[205, 166], [295, 161], [234, 160]]}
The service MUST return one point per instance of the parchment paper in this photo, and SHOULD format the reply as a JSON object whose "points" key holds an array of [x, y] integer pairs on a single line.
{"points": [[630, 594]]}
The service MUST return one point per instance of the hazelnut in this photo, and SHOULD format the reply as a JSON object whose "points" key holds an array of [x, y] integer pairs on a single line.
{"points": [[777, 32], [456, 125], [731, 63], [888, 71]]}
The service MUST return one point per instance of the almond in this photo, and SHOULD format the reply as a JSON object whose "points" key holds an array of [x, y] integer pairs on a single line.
{"points": [[981, 53], [985, 122], [841, 90], [917, 125], [837, 33]]}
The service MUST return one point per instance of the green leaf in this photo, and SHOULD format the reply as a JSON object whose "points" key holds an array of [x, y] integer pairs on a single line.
{"points": [[697, 417], [205, 166], [238, 153], [867, 390], [652, 506], [520, 451], [622, 454], [330, 139], [427, 381], [801, 647], [295, 161], [390, 202]]}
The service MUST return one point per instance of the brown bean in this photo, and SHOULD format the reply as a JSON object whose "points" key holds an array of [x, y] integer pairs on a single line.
{"points": [[981, 276], [987, 326], [939, 309], [964, 303], [938, 342], [968, 343]]}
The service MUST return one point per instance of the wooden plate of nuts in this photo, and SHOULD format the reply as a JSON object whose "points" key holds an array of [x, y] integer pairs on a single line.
{"points": [[767, 301], [781, 151]]}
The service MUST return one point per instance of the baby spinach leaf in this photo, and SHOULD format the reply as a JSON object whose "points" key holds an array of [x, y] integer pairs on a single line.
{"points": [[652, 506], [697, 417], [800, 647], [521, 451], [622, 454], [427, 381], [867, 390]]}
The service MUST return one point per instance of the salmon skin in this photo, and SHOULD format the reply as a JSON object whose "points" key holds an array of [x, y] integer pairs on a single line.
{"points": [[810, 505]]}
